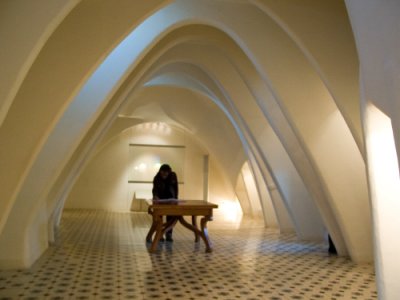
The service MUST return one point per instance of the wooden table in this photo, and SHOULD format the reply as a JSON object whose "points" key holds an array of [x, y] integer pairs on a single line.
{"points": [[177, 210]]}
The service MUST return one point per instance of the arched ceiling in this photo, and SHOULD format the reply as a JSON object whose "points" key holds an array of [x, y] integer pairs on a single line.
{"points": [[291, 106], [196, 114]]}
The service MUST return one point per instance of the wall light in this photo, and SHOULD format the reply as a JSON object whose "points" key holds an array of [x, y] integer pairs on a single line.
{"points": [[159, 127], [142, 167]]}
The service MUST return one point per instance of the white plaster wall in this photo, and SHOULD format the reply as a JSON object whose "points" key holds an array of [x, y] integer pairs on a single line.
{"points": [[25, 26], [252, 192], [242, 195], [221, 192], [322, 32], [376, 26], [70, 56], [60, 68], [198, 114], [248, 191], [104, 182]]}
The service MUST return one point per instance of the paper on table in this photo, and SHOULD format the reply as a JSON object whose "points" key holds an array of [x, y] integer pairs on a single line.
{"points": [[166, 201]]}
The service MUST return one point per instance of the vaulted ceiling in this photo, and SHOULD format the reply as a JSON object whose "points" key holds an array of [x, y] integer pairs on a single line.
{"points": [[274, 83]]}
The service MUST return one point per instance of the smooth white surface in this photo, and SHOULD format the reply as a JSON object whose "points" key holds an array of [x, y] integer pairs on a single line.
{"points": [[288, 91]]}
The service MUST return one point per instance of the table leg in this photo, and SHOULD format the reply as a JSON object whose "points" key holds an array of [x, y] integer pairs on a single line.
{"points": [[204, 232], [159, 233], [151, 231], [194, 223]]}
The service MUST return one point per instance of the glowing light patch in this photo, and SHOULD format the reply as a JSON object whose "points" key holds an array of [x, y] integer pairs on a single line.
{"points": [[230, 210]]}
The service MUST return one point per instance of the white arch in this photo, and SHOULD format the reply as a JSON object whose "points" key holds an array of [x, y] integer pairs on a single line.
{"points": [[16, 28], [233, 28]]}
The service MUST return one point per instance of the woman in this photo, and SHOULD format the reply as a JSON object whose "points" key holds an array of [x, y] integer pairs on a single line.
{"points": [[165, 186]]}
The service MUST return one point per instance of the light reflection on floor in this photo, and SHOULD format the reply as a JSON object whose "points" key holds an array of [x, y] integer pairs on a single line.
{"points": [[102, 255]]}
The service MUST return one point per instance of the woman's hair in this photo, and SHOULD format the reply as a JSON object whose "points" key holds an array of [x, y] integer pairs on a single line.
{"points": [[165, 168]]}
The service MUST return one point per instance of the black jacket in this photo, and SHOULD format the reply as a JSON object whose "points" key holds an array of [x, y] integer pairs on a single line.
{"points": [[165, 188]]}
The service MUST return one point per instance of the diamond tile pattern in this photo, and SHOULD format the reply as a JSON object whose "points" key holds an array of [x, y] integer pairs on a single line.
{"points": [[102, 255]]}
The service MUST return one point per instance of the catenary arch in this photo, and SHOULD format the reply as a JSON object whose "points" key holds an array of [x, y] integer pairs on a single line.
{"points": [[174, 99], [45, 156], [168, 76], [302, 233], [29, 194], [16, 61], [53, 79], [268, 156], [341, 79], [187, 80], [57, 58], [283, 128], [179, 108], [363, 205]]}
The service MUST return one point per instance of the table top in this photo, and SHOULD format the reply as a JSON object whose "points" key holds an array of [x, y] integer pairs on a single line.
{"points": [[163, 203]]}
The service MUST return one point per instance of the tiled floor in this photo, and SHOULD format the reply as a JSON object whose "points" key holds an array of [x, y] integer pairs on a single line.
{"points": [[102, 255]]}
